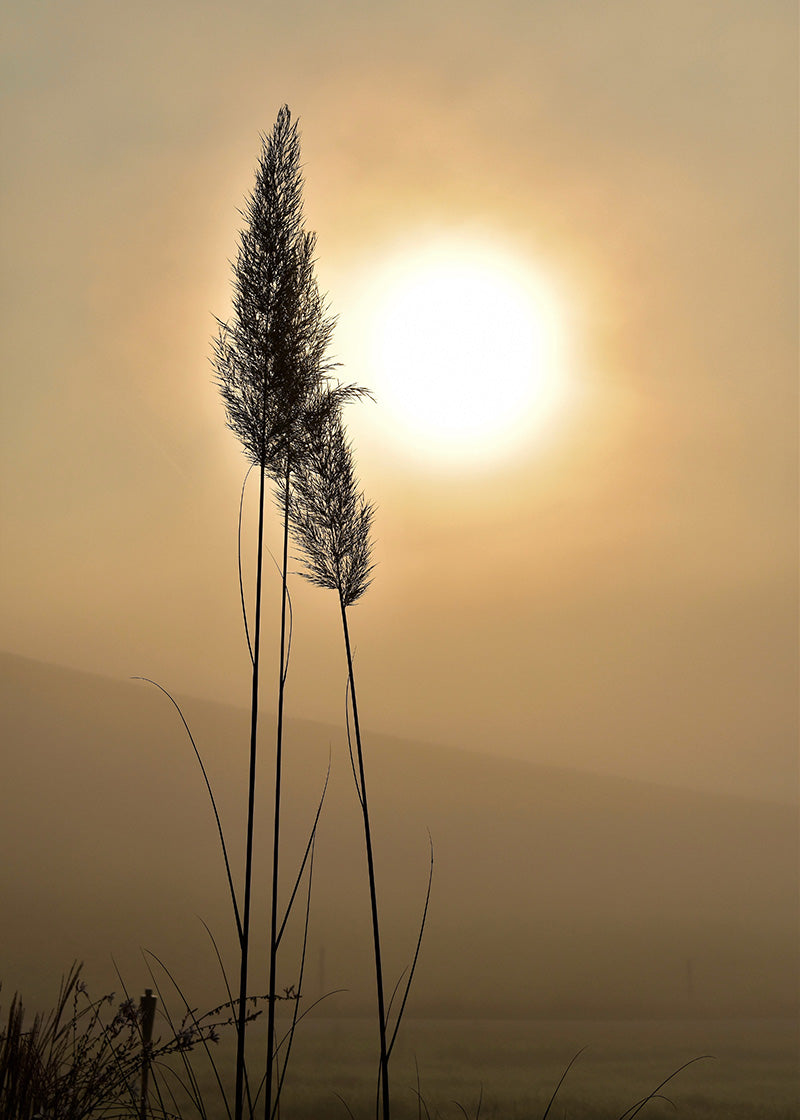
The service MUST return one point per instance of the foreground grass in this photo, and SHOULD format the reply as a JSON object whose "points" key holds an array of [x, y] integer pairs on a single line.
{"points": [[88, 1065], [446, 1069]]}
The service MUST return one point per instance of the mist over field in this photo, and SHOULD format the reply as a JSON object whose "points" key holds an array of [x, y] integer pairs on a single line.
{"points": [[568, 908], [554, 246], [555, 892]]}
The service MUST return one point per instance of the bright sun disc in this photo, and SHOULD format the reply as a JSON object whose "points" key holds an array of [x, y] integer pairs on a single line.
{"points": [[466, 352]]}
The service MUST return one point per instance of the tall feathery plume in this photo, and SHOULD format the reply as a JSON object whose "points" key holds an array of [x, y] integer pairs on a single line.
{"points": [[332, 522], [270, 363]]}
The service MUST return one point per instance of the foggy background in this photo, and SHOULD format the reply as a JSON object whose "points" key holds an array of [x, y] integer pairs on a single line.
{"points": [[597, 639], [623, 594]]}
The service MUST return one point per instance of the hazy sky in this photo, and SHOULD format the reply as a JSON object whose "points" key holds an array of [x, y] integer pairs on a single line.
{"points": [[620, 594]]}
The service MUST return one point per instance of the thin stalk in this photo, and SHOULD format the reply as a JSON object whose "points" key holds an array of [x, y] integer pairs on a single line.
{"points": [[206, 779], [563, 1078], [289, 1038], [306, 854], [248, 874], [384, 1059], [413, 968], [635, 1109], [239, 560], [273, 936]]}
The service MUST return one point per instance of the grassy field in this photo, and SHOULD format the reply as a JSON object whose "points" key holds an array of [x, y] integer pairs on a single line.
{"points": [[516, 1065]]}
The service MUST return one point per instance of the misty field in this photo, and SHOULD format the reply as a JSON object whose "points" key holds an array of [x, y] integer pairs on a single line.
{"points": [[563, 237], [517, 1064]]}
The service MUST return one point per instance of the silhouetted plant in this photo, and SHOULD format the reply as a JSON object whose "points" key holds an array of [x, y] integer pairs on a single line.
{"points": [[332, 522], [270, 363], [85, 1059], [306, 862]]}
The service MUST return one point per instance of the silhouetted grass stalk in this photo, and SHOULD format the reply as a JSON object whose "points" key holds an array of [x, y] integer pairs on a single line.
{"points": [[273, 926], [210, 790], [270, 362], [248, 874], [332, 522], [373, 898]]}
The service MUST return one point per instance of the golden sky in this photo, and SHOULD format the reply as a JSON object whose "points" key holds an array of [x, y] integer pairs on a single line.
{"points": [[622, 592]]}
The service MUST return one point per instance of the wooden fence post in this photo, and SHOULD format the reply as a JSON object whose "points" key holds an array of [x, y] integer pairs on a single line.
{"points": [[147, 1014]]}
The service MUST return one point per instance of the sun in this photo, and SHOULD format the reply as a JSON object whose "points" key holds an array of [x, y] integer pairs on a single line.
{"points": [[466, 351]]}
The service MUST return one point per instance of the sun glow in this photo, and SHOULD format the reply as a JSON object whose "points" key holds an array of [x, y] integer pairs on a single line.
{"points": [[466, 348]]}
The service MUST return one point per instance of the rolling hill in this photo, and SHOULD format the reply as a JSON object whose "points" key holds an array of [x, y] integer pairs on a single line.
{"points": [[555, 892]]}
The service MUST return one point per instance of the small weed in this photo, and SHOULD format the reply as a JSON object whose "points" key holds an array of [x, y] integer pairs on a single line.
{"points": [[88, 1057]]}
